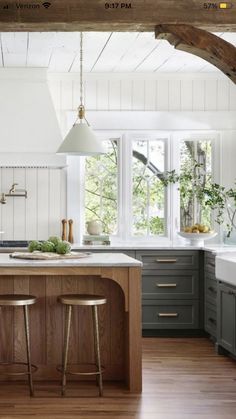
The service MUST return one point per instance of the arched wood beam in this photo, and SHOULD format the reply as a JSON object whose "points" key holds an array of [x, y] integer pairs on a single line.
{"points": [[199, 42]]}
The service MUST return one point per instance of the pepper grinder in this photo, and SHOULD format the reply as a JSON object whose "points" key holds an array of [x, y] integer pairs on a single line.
{"points": [[64, 229], [70, 235]]}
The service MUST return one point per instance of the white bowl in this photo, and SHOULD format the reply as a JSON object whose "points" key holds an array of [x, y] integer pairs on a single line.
{"points": [[197, 238]]}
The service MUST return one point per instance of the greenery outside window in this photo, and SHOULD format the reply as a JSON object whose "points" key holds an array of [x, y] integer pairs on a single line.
{"points": [[123, 188], [148, 191], [193, 153], [101, 188]]}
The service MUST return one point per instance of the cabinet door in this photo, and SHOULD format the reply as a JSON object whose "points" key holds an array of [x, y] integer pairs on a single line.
{"points": [[226, 317]]}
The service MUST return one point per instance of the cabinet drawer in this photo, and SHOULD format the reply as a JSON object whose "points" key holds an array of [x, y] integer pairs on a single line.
{"points": [[210, 288], [170, 314], [210, 263], [211, 320], [169, 259], [171, 285]]}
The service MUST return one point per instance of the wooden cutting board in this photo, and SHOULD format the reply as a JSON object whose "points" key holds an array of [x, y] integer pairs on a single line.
{"points": [[48, 256]]}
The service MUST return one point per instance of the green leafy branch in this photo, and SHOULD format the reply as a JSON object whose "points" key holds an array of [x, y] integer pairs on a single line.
{"points": [[192, 183]]}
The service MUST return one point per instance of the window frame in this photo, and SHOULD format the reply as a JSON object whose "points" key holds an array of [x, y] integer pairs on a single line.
{"points": [[149, 136], [75, 183]]}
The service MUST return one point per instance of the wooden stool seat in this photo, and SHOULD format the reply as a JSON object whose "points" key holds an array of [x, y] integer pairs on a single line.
{"points": [[17, 300], [93, 301], [82, 299]]}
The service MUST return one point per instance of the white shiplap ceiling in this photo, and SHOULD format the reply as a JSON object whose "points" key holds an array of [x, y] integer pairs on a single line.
{"points": [[103, 52]]}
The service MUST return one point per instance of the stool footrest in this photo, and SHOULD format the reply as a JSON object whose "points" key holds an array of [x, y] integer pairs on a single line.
{"points": [[60, 369], [6, 364]]}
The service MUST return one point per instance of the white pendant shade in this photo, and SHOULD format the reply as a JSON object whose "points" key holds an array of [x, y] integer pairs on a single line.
{"points": [[81, 141]]}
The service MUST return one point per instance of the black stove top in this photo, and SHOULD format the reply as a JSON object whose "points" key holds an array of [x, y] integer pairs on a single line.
{"points": [[13, 243]]}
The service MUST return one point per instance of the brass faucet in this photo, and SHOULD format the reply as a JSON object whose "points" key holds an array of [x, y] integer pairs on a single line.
{"points": [[13, 192], [16, 192]]}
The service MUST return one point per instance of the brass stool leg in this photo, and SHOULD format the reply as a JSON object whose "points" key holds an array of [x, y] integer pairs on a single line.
{"points": [[27, 336], [97, 348], [66, 346]]}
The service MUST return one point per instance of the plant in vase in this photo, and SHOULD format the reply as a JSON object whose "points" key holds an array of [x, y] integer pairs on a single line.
{"points": [[195, 187], [223, 201], [192, 182]]}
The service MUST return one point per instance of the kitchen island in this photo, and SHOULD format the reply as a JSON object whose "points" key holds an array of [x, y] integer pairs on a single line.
{"points": [[116, 276]]}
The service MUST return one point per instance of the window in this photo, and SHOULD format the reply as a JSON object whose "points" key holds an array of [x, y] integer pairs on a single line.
{"points": [[101, 188], [136, 206], [193, 153], [148, 192], [123, 188]]}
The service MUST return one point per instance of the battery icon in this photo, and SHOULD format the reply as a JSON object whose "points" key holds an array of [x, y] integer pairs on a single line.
{"points": [[225, 5]]}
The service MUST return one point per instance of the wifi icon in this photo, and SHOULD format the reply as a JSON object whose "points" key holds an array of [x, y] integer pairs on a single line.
{"points": [[46, 4]]}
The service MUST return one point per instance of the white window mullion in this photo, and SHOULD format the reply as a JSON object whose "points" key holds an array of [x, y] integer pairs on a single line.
{"points": [[174, 201], [75, 195], [126, 188]]}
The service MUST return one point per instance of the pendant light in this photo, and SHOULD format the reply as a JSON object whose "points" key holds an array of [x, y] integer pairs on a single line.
{"points": [[81, 140]]}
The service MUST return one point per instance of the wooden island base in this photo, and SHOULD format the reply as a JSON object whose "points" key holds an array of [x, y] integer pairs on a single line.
{"points": [[119, 320]]}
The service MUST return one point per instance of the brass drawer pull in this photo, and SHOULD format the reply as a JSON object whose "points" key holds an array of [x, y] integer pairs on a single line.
{"points": [[166, 260], [167, 314], [166, 285]]}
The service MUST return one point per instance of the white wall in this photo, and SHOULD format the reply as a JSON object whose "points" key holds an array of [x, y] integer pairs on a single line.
{"points": [[195, 101], [207, 101], [149, 92], [39, 215]]}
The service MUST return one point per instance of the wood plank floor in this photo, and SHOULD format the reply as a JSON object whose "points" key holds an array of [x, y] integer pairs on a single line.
{"points": [[182, 379]]}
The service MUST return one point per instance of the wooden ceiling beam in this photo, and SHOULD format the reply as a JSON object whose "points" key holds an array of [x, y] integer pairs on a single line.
{"points": [[103, 15], [205, 45]]}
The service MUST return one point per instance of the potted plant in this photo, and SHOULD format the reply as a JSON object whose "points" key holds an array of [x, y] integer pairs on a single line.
{"points": [[218, 198]]}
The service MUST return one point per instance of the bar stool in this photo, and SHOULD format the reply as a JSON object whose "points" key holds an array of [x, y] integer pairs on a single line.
{"points": [[15, 300], [82, 300]]}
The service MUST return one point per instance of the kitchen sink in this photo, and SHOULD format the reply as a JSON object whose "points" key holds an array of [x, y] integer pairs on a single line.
{"points": [[226, 268]]}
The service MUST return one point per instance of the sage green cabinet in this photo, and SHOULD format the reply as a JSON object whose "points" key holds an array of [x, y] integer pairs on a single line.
{"points": [[169, 284], [170, 314], [210, 298], [170, 289], [226, 317]]}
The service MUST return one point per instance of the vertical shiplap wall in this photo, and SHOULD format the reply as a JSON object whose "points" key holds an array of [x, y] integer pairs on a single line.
{"points": [[39, 215], [193, 92]]}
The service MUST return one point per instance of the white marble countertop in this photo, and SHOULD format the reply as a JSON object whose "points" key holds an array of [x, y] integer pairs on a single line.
{"points": [[94, 259], [214, 248]]}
